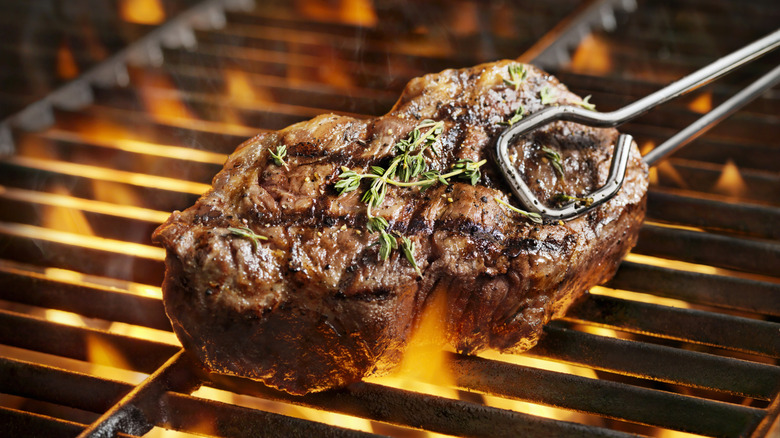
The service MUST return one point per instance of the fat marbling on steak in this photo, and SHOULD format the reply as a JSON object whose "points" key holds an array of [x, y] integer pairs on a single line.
{"points": [[314, 306]]}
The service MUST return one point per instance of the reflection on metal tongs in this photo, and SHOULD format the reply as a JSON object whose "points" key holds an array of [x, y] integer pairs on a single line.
{"points": [[629, 112]]}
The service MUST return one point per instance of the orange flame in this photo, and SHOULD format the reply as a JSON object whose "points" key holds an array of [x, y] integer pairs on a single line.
{"points": [[64, 218], [647, 147], [702, 104], [239, 87], [464, 19], [161, 97], [142, 11], [356, 12], [592, 56], [66, 62], [666, 171], [730, 182]]}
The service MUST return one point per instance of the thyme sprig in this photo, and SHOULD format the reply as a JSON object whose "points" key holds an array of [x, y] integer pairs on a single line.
{"points": [[555, 160], [516, 117], [585, 103], [407, 247], [349, 180], [247, 233], [533, 217], [412, 164], [278, 156], [407, 169], [561, 199], [548, 95], [517, 74]]}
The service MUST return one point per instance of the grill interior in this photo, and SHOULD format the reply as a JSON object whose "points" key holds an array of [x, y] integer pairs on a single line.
{"points": [[135, 114]]}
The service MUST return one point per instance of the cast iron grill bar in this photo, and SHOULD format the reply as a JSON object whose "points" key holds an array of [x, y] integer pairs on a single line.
{"points": [[749, 219], [20, 423], [36, 334], [89, 300], [716, 290], [757, 256], [694, 326], [610, 399], [427, 412], [658, 362]]}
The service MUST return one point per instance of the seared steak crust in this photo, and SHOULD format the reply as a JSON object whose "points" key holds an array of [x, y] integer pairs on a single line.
{"points": [[314, 307]]}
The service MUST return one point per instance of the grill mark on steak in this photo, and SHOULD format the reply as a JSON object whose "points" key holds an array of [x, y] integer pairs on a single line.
{"points": [[313, 307]]}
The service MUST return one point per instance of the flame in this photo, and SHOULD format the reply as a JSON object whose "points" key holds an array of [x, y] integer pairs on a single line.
{"points": [[356, 12], [335, 73], [666, 171], [702, 104], [101, 352], [424, 360], [592, 56], [66, 63], [65, 218], [161, 98], [142, 11], [239, 87], [730, 182], [646, 147], [464, 19], [425, 366]]}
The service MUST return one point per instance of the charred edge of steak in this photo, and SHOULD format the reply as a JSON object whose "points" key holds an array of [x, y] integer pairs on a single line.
{"points": [[313, 307]]}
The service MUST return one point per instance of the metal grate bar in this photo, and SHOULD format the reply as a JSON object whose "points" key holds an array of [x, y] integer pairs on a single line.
{"points": [[716, 290], [24, 331], [91, 301], [60, 386], [35, 174], [19, 423], [218, 419], [427, 412], [611, 399], [96, 394], [724, 331], [73, 252], [750, 219], [657, 362], [755, 256]]}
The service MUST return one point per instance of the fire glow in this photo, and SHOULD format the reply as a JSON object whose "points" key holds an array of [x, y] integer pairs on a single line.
{"points": [[142, 11], [592, 56]]}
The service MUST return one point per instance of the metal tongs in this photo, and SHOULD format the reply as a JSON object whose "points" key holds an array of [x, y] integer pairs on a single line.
{"points": [[618, 117]]}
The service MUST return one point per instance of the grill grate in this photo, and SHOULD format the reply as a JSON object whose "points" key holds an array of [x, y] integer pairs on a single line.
{"points": [[683, 339]]}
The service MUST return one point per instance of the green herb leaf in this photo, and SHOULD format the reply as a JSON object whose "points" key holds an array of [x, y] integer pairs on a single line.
{"points": [[555, 160], [349, 180], [407, 247], [585, 103], [561, 199], [533, 217], [517, 74], [548, 95], [516, 117], [246, 232], [278, 156], [377, 224], [470, 170], [387, 244]]}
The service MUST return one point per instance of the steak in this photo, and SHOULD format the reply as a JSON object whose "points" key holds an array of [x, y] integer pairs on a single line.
{"points": [[317, 305]]}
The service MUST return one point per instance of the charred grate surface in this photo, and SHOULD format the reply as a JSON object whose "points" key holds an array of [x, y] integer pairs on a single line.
{"points": [[683, 339]]}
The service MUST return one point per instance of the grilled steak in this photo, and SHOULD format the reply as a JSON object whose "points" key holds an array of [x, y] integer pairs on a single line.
{"points": [[314, 306]]}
